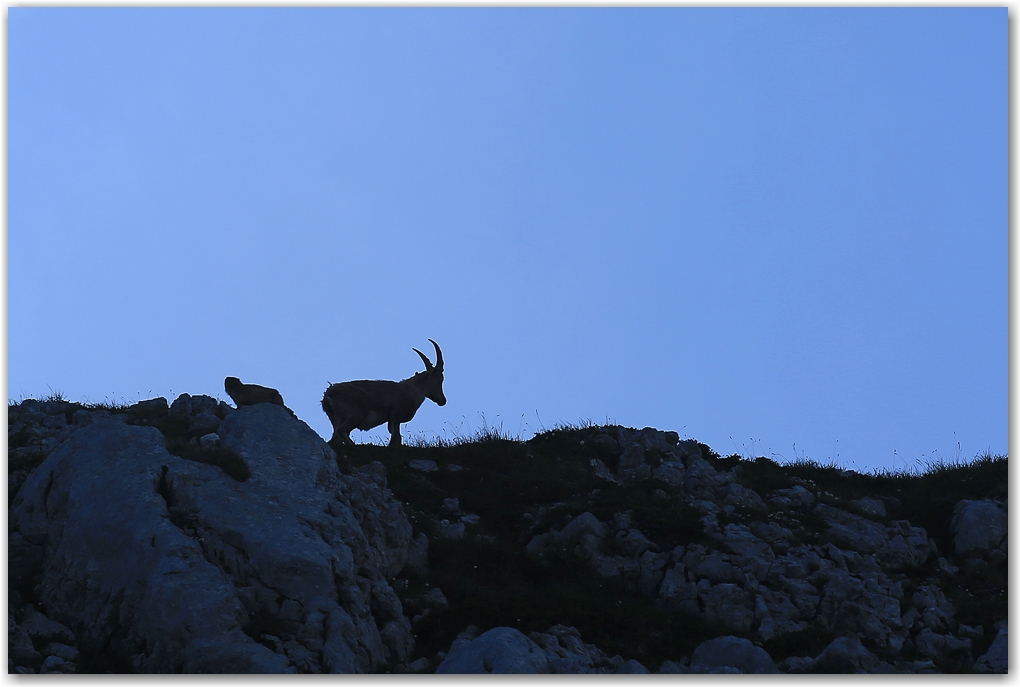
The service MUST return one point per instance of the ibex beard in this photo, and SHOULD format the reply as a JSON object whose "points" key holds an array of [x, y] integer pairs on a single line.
{"points": [[367, 403]]}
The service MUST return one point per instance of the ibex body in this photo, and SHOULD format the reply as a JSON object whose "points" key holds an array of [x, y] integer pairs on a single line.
{"points": [[364, 404], [250, 394]]}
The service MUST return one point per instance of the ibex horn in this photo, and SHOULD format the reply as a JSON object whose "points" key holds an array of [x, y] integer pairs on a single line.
{"points": [[428, 364], [439, 356]]}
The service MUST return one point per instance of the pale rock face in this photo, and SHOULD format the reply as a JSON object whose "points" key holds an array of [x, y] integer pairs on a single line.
{"points": [[845, 655], [650, 439], [906, 547], [727, 605], [739, 540], [312, 550], [713, 566], [978, 526], [632, 466], [869, 507], [631, 667], [670, 472], [867, 605], [676, 593], [566, 652], [779, 538], [776, 614], [190, 555], [734, 494], [732, 652], [792, 498], [934, 611], [500, 650], [851, 531], [929, 644], [19, 645], [702, 480], [507, 650], [652, 572], [996, 659], [583, 535]]}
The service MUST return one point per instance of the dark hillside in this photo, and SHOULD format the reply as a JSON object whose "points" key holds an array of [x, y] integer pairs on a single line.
{"points": [[523, 488], [611, 549]]}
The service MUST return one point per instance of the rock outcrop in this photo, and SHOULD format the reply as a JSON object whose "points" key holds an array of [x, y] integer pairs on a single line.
{"points": [[732, 652], [762, 578], [193, 537], [172, 566], [508, 650]]}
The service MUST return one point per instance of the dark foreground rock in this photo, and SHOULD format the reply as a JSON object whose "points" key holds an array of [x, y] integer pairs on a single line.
{"points": [[169, 565], [508, 650], [192, 537]]}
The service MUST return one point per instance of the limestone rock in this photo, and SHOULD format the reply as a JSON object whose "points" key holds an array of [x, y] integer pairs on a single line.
{"points": [[67, 653], [42, 630], [19, 645], [727, 605], [978, 527], [869, 507], [584, 535], [670, 472], [500, 650], [701, 480], [733, 652], [740, 541], [569, 655], [845, 655], [166, 561], [674, 667], [996, 659], [867, 605], [632, 667], [934, 610], [739, 496], [851, 531], [632, 466], [418, 554], [204, 423], [676, 593], [792, 498], [150, 410], [905, 547], [452, 531], [929, 644]]}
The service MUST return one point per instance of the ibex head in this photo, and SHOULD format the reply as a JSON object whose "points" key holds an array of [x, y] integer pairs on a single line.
{"points": [[433, 386]]}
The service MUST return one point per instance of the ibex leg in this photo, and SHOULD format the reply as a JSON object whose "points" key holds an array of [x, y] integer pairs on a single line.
{"points": [[394, 428]]}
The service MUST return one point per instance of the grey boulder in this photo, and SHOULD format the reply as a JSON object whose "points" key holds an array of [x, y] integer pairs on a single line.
{"points": [[174, 566], [500, 650], [977, 526], [732, 652], [996, 659], [845, 655]]}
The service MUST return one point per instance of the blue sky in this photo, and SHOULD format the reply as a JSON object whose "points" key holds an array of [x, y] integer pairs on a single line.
{"points": [[781, 232]]}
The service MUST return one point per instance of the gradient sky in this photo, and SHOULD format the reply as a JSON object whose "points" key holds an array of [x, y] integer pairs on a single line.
{"points": [[781, 232]]}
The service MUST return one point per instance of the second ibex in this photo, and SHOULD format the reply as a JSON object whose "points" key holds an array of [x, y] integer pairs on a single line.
{"points": [[364, 404]]}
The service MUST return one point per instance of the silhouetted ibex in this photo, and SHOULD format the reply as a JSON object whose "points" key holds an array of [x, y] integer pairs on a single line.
{"points": [[250, 394], [364, 404]]}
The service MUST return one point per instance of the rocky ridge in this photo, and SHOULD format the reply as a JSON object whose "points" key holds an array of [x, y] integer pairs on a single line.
{"points": [[164, 564], [261, 550]]}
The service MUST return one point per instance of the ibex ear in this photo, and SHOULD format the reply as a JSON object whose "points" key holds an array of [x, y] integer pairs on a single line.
{"points": [[428, 364]]}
